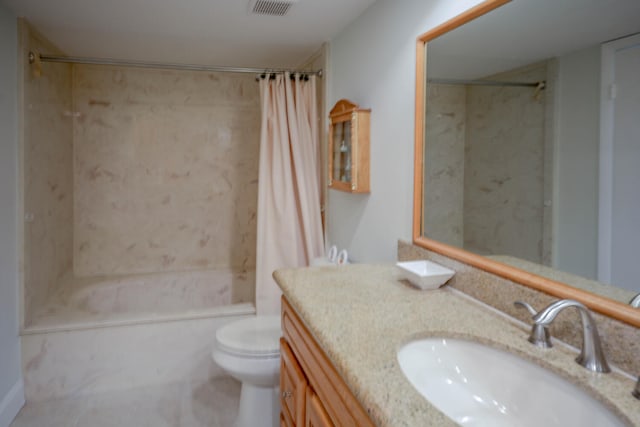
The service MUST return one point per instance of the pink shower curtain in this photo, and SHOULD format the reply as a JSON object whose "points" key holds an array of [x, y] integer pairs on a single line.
{"points": [[289, 221]]}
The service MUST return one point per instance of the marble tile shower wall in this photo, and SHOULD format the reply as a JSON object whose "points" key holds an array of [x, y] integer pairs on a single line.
{"points": [[485, 166], [504, 167], [444, 162], [165, 170], [133, 171], [47, 175]]}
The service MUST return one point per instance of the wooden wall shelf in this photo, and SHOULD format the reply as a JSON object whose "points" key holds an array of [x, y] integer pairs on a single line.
{"points": [[349, 147]]}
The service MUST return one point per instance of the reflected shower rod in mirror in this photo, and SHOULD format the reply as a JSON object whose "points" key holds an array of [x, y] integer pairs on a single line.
{"points": [[539, 85], [37, 57]]}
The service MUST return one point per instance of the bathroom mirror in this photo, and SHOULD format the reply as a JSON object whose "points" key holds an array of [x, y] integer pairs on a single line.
{"points": [[532, 178]]}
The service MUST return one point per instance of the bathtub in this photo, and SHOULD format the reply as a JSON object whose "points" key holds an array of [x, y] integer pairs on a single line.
{"points": [[98, 335], [142, 298]]}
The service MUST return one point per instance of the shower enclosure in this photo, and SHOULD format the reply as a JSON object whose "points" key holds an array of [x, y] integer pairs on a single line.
{"points": [[139, 198], [139, 191]]}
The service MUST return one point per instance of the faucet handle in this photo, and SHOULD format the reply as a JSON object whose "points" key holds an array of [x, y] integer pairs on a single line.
{"points": [[591, 356], [527, 306], [539, 336]]}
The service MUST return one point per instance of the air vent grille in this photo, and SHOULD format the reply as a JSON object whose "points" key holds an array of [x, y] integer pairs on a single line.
{"points": [[271, 7]]}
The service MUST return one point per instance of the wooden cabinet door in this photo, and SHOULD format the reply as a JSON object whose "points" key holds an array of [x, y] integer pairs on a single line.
{"points": [[320, 375], [349, 147], [316, 416], [293, 386]]}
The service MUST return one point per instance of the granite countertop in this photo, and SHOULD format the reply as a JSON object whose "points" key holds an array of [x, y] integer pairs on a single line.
{"points": [[362, 314]]}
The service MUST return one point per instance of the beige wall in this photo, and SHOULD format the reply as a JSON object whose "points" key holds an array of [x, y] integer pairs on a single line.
{"points": [[47, 172], [165, 170]]}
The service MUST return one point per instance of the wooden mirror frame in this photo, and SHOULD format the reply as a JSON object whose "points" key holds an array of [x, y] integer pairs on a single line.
{"points": [[606, 306]]}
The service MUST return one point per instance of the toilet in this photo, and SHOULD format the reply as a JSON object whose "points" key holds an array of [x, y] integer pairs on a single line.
{"points": [[249, 351]]}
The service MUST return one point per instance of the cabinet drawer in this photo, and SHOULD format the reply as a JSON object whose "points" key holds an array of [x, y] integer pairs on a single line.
{"points": [[316, 416], [293, 385], [284, 422]]}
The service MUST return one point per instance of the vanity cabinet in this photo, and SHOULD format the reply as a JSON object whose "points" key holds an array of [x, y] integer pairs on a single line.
{"points": [[312, 393], [316, 416], [293, 388], [349, 147]]}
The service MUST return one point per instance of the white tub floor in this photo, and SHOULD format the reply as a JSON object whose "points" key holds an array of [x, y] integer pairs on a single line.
{"points": [[210, 404]]}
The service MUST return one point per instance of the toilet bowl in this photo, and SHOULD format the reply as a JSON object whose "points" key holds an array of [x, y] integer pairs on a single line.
{"points": [[249, 350]]}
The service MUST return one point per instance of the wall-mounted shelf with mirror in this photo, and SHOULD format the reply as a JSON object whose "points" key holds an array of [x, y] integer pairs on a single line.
{"points": [[349, 147], [522, 168]]}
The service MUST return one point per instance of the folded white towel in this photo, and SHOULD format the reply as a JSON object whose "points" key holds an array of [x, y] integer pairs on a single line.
{"points": [[343, 258], [332, 253]]}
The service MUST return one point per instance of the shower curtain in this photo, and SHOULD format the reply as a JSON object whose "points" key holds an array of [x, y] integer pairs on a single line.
{"points": [[289, 221]]}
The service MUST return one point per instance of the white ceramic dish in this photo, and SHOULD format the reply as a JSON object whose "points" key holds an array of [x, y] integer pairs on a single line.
{"points": [[425, 274]]}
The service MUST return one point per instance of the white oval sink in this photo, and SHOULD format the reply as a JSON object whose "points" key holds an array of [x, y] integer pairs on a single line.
{"points": [[477, 385]]}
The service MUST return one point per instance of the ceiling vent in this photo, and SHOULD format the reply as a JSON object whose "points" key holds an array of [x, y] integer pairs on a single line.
{"points": [[270, 7]]}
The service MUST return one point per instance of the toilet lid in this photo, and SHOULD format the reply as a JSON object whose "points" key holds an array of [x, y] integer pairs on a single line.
{"points": [[259, 335]]}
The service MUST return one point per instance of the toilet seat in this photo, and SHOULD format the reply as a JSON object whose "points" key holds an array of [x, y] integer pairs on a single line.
{"points": [[254, 337]]}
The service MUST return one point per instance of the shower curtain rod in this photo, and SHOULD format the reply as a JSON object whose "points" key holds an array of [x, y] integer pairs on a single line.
{"points": [[165, 66], [540, 84]]}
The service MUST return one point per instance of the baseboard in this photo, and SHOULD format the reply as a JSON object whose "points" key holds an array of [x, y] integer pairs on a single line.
{"points": [[11, 403]]}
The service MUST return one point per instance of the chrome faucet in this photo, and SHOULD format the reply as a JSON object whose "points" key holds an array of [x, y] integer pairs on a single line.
{"points": [[591, 357], [635, 301], [539, 333]]}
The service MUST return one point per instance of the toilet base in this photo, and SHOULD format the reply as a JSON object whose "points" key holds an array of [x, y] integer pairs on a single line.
{"points": [[259, 407]]}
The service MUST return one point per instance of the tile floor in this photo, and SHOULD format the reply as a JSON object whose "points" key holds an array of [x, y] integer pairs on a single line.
{"points": [[210, 404]]}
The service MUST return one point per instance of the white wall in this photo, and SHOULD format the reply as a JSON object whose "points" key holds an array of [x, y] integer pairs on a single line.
{"points": [[372, 63], [575, 245], [11, 390]]}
